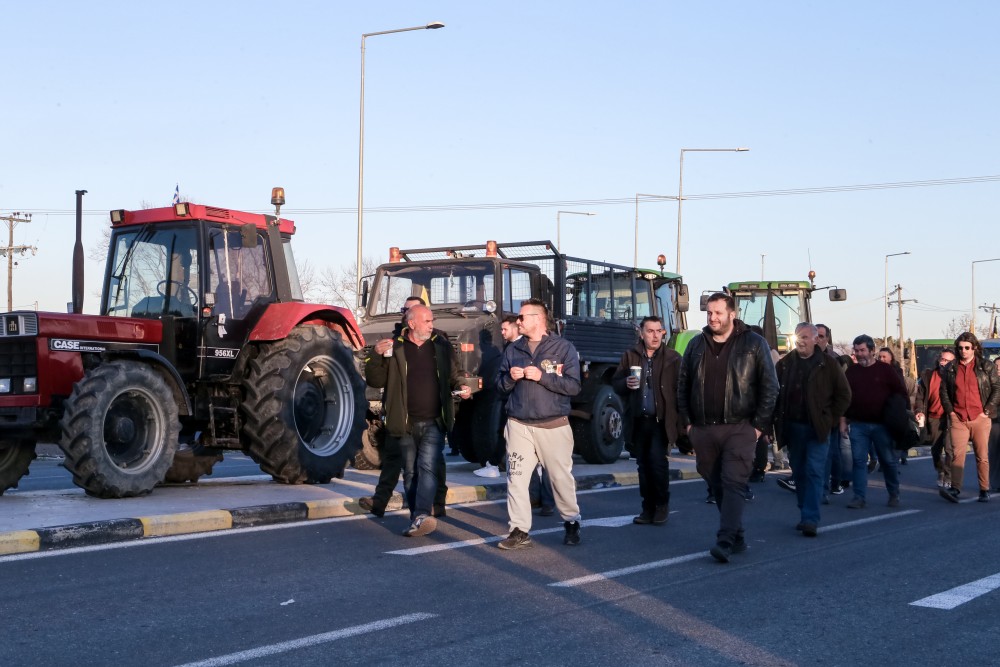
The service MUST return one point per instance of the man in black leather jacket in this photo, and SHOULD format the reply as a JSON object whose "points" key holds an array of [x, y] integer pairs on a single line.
{"points": [[726, 392]]}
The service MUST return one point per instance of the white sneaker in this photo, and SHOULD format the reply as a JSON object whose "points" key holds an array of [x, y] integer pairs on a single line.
{"points": [[487, 471]]}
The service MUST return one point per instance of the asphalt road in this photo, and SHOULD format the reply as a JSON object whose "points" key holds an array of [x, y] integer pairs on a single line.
{"points": [[345, 591]]}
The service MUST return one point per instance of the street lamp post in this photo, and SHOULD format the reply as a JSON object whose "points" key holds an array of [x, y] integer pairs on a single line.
{"points": [[885, 298], [972, 321], [635, 258], [361, 144], [680, 188], [558, 213]]}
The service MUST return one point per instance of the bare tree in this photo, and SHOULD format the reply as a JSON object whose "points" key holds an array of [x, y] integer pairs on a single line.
{"points": [[961, 323], [337, 285]]}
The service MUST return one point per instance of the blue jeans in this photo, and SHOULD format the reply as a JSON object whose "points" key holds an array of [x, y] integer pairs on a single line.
{"points": [[865, 435], [808, 457], [832, 473], [423, 456]]}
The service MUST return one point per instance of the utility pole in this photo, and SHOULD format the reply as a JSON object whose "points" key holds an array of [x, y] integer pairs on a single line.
{"points": [[12, 221], [992, 310], [899, 302]]}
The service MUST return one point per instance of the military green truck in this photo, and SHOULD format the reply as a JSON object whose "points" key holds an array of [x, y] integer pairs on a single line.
{"points": [[595, 305]]}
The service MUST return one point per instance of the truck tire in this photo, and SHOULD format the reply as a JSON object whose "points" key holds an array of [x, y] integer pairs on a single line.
{"points": [[304, 406], [369, 457], [190, 464], [15, 457], [119, 430], [601, 439]]}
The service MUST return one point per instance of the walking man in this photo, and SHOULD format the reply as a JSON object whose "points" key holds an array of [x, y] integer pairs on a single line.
{"points": [[813, 396], [540, 372], [726, 392], [652, 400], [929, 409], [418, 377], [970, 394], [872, 382], [392, 456]]}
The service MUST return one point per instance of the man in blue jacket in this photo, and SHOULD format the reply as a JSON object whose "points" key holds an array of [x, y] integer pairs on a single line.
{"points": [[726, 392], [539, 372]]}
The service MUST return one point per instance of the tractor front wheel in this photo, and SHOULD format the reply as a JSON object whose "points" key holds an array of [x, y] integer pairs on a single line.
{"points": [[15, 457], [119, 430]]}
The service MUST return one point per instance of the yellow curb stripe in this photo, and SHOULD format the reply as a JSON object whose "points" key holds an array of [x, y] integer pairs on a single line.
{"points": [[626, 478], [186, 522], [19, 542], [332, 507], [465, 494]]}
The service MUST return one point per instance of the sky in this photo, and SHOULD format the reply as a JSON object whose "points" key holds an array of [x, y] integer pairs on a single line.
{"points": [[573, 106]]}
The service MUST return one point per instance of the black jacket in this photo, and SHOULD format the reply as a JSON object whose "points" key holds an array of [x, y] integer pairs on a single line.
{"points": [[666, 365], [751, 384], [989, 386], [389, 373], [827, 393]]}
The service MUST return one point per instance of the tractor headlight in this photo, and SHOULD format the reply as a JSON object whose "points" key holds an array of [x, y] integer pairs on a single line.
{"points": [[30, 385], [4, 385]]}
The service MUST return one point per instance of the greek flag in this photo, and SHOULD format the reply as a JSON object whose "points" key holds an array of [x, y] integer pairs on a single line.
{"points": [[177, 194]]}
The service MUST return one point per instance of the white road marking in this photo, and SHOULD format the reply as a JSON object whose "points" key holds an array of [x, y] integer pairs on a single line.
{"points": [[304, 642], [642, 567], [604, 522], [960, 594]]}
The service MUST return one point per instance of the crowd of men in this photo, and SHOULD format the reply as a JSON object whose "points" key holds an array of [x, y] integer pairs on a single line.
{"points": [[729, 394]]}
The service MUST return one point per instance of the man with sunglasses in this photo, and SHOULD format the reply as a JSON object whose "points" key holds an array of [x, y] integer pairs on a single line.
{"points": [[970, 395], [539, 372]]}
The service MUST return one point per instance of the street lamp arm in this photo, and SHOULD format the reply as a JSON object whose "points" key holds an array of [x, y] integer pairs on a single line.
{"points": [[430, 26]]}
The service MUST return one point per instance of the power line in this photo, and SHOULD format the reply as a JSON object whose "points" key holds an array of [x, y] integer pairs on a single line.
{"points": [[614, 201]]}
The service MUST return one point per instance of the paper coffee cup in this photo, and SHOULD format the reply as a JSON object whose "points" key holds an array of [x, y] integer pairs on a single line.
{"points": [[388, 352], [636, 372]]}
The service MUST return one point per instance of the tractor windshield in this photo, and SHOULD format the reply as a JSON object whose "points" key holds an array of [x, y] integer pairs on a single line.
{"points": [[458, 284], [789, 308], [152, 272]]}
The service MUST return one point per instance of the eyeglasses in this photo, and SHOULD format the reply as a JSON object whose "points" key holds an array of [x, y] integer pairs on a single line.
{"points": [[521, 317], [965, 347]]}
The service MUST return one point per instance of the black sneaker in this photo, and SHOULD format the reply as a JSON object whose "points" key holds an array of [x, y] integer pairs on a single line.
{"points": [[518, 539], [984, 496], [837, 490], [422, 525], [572, 537], [722, 551], [739, 546], [711, 498], [808, 529], [949, 493], [787, 483], [749, 494]]}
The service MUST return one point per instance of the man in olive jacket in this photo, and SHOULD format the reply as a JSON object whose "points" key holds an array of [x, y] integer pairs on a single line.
{"points": [[652, 403], [418, 377], [813, 396]]}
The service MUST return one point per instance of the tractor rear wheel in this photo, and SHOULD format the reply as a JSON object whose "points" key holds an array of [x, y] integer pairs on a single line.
{"points": [[304, 406], [15, 457], [119, 430]]}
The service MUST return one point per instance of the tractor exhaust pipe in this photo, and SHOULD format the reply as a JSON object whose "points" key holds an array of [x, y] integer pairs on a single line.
{"points": [[78, 256]]}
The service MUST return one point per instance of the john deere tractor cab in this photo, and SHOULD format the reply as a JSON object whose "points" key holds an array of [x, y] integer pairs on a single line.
{"points": [[202, 344], [777, 306]]}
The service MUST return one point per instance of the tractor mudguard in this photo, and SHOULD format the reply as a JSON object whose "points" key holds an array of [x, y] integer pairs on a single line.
{"points": [[280, 318]]}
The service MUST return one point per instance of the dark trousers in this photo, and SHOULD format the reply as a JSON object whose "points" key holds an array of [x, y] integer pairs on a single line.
{"points": [[937, 432], [651, 451], [388, 477], [760, 454], [993, 452], [724, 455]]}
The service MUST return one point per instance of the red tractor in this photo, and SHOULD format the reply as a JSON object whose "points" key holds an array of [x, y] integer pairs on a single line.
{"points": [[203, 344]]}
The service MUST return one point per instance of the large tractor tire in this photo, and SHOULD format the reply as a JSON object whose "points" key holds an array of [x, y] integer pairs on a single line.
{"points": [[119, 430], [601, 439], [15, 457], [369, 457], [191, 463], [304, 406]]}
